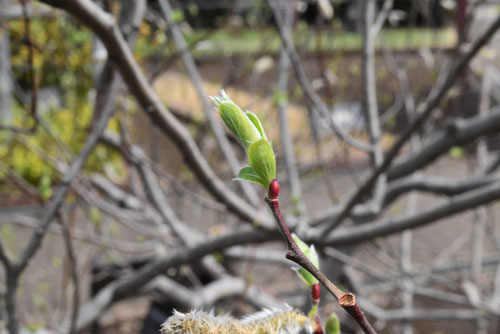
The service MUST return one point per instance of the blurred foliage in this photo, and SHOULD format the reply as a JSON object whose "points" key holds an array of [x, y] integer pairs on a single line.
{"points": [[62, 61], [249, 41], [457, 152]]}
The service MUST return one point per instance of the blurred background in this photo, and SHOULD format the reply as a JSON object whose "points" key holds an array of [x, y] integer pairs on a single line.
{"points": [[118, 202]]}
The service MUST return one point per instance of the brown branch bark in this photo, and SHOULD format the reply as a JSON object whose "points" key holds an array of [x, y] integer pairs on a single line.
{"points": [[293, 253], [104, 26]]}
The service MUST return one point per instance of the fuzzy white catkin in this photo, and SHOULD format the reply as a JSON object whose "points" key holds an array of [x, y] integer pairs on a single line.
{"points": [[271, 321]]}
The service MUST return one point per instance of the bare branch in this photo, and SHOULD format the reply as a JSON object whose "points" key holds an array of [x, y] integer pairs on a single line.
{"points": [[74, 273], [4, 258], [121, 288], [458, 132], [423, 111], [63, 188], [456, 205], [192, 70], [382, 16], [370, 95], [346, 300], [420, 314], [224, 287], [286, 137], [94, 239], [312, 97], [434, 185], [104, 26]]}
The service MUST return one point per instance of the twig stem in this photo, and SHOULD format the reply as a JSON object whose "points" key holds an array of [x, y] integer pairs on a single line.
{"points": [[293, 253]]}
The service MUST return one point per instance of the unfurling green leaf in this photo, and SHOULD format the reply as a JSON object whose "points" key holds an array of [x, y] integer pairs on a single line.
{"points": [[307, 277], [332, 325], [263, 161], [237, 121], [250, 133], [256, 122], [302, 245], [312, 255], [249, 174]]}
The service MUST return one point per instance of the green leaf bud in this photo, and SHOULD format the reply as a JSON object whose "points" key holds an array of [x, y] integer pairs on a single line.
{"points": [[263, 161], [312, 255], [332, 325], [237, 121]]}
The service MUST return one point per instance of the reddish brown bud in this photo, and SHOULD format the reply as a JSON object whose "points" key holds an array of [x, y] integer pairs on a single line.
{"points": [[319, 329], [315, 292], [274, 189]]}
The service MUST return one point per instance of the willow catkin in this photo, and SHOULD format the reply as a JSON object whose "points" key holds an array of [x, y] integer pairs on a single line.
{"points": [[270, 321]]}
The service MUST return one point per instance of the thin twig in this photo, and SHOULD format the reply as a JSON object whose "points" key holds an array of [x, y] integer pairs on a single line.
{"points": [[370, 95], [207, 107], [457, 204], [312, 97], [293, 253], [424, 111], [104, 26], [74, 273], [286, 136]]}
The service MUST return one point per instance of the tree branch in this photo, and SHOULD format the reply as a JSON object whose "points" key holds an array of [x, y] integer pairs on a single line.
{"points": [[455, 205], [121, 288], [423, 111], [207, 107], [286, 136], [104, 26], [311, 96], [459, 132], [293, 253]]}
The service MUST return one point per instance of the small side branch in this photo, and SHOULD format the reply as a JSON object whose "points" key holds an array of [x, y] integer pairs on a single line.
{"points": [[293, 253]]}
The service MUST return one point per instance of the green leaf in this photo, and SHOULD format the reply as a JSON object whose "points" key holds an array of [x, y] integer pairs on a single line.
{"points": [[263, 161], [249, 174], [307, 277], [312, 255], [302, 245], [332, 325], [236, 120], [255, 120], [309, 251]]}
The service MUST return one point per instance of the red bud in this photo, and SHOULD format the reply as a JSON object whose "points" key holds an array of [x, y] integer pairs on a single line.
{"points": [[319, 329], [315, 292], [274, 189]]}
